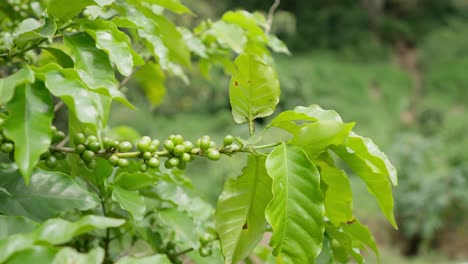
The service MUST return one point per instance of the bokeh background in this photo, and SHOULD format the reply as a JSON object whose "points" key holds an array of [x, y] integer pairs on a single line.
{"points": [[399, 68]]}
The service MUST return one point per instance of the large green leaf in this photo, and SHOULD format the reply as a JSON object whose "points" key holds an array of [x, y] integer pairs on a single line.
{"points": [[33, 254], [48, 194], [130, 201], [115, 43], [367, 150], [317, 137], [155, 259], [296, 211], [71, 256], [31, 30], [338, 197], [240, 215], [10, 225], [31, 113], [292, 120], [361, 233], [230, 35], [89, 107], [65, 9], [93, 65], [55, 232], [359, 159], [9, 84], [254, 89]]}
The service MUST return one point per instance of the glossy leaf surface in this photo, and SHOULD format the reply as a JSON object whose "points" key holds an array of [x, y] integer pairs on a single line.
{"points": [[254, 89], [296, 211], [31, 113], [239, 219]]}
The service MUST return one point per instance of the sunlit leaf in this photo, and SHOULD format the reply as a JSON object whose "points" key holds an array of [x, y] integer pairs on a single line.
{"points": [[115, 43], [317, 137], [9, 84], [296, 211], [230, 35], [65, 9], [31, 113], [31, 30], [254, 89], [338, 197], [173, 5], [360, 159], [239, 218], [93, 66]]}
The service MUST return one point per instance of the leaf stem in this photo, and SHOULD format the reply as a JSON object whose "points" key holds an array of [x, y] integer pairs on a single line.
{"points": [[271, 145]]}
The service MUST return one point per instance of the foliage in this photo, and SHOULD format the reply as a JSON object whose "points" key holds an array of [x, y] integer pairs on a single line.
{"points": [[444, 185], [95, 195]]}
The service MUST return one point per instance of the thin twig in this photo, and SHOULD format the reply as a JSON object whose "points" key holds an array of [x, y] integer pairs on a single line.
{"points": [[271, 12], [183, 252], [58, 106]]}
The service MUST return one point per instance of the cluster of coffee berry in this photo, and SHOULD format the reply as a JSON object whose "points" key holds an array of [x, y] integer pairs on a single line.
{"points": [[206, 240], [6, 146], [177, 151], [51, 157]]}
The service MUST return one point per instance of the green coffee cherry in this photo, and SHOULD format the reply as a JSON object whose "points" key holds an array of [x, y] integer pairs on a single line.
{"points": [[79, 138], [59, 155], [94, 146], [91, 164], [125, 146], [182, 165], [114, 160], [45, 155], [204, 252], [153, 163], [7, 147], [57, 136], [178, 150], [147, 155], [178, 139], [205, 143], [2, 122], [144, 144], [213, 154], [80, 149], [107, 143], [186, 157], [143, 167], [123, 163], [188, 146], [206, 238], [154, 145], [87, 155], [92, 138], [51, 161], [168, 145], [228, 140]]}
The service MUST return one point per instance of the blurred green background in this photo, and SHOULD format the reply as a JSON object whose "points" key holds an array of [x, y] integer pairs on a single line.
{"points": [[396, 67]]}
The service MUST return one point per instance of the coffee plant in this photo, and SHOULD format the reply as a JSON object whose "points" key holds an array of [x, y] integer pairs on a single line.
{"points": [[79, 195]]}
